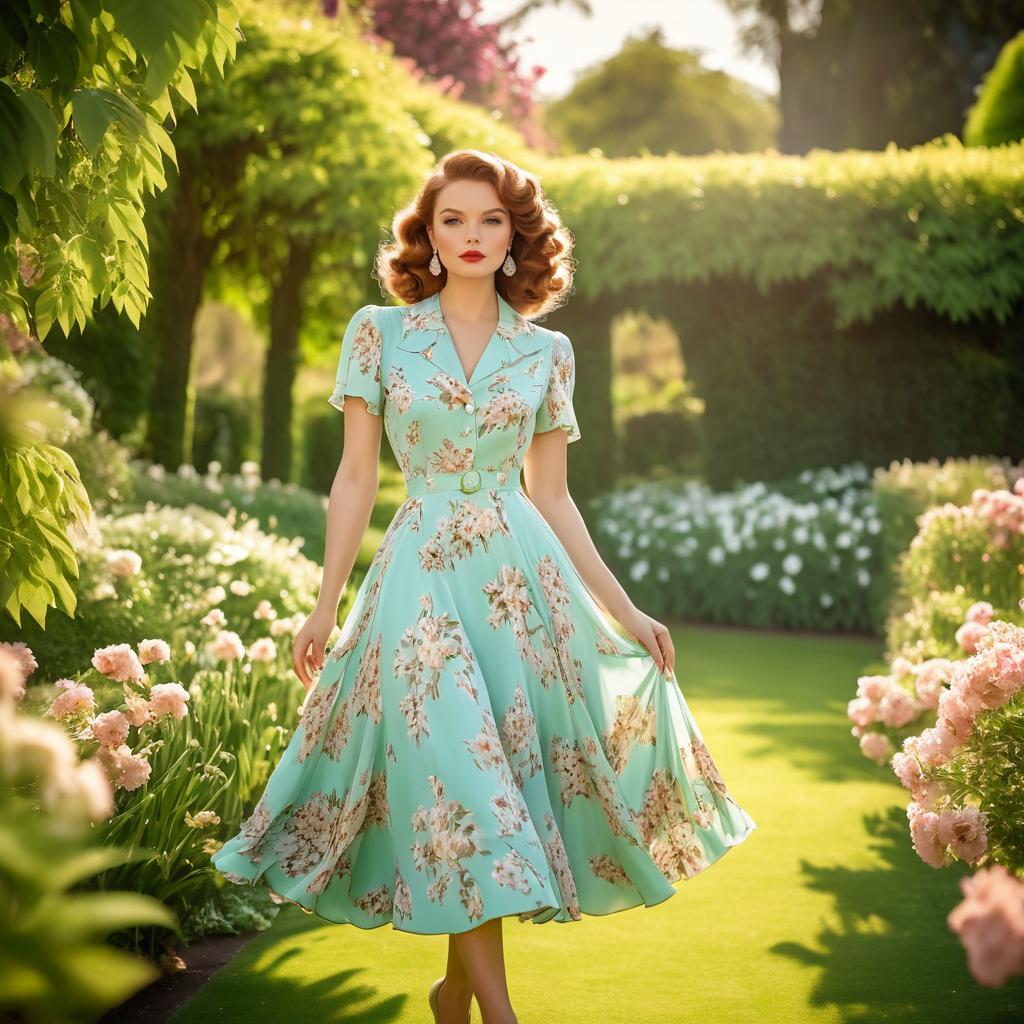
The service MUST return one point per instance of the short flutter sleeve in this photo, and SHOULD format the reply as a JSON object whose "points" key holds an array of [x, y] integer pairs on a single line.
{"points": [[359, 366], [556, 409]]}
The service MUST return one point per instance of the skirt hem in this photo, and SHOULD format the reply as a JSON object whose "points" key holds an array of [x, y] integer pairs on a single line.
{"points": [[260, 880]]}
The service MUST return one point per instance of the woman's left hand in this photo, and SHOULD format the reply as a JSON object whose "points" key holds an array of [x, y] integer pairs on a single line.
{"points": [[654, 636]]}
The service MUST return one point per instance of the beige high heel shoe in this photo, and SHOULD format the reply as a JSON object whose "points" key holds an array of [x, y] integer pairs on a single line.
{"points": [[432, 1000]]}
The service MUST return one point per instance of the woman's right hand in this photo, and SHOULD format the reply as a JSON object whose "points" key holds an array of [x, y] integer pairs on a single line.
{"points": [[310, 643]]}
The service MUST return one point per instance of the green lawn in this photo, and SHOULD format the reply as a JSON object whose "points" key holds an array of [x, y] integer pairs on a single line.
{"points": [[824, 913]]}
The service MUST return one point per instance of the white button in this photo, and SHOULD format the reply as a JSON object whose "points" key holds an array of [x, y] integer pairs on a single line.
{"points": [[502, 476], [470, 407]]}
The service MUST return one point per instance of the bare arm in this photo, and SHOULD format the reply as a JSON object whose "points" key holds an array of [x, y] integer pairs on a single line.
{"points": [[544, 471], [353, 494]]}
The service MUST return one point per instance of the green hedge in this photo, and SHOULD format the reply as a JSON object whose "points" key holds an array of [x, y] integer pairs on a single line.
{"points": [[830, 307]]}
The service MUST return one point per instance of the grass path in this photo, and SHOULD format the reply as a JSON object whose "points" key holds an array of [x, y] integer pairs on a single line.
{"points": [[824, 913]]}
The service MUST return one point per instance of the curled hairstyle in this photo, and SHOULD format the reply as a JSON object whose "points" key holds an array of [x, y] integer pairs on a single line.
{"points": [[541, 244]]}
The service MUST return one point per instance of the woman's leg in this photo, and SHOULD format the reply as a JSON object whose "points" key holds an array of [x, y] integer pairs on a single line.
{"points": [[454, 996], [481, 953]]}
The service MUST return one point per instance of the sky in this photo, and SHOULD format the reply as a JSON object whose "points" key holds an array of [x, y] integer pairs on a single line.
{"points": [[565, 41]]}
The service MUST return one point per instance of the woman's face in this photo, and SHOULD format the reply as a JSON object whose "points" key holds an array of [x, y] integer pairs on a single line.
{"points": [[469, 217]]}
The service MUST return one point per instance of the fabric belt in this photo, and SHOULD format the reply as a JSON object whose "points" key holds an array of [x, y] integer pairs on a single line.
{"points": [[467, 482]]}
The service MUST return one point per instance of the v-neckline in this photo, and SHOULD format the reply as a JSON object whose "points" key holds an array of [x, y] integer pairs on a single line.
{"points": [[467, 379]]}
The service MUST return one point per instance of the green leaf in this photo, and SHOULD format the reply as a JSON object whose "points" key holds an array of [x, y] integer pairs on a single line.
{"points": [[97, 914]]}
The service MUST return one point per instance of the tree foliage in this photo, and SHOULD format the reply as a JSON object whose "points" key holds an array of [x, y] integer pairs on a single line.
{"points": [[652, 99], [85, 94], [998, 116]]}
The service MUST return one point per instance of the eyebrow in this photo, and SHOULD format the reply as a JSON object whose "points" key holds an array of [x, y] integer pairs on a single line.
{"points": [[495, 209]]}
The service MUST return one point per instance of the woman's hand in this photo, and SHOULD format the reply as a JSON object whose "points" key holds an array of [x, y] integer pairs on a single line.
{"points": [[310, 642], [654, 636]]}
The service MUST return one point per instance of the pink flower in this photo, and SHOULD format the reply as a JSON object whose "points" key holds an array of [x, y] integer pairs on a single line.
{"points": [[897, 707], [873, 687], [111, 728], [908, 770], [980, 612], [1009, 664], [12, 678], [17, 663], [876, 746], [38, 750], [123, 563], [228, 646], [118, 662], [937, 744], [924, 832], [862, 711], [968, 635], [169, 699], [964, 830], [957, 714], [72, 700], [283, 627], [929, 680], [82, 790], [214, 617], [94, 789], [154, 650], [990, 924], [263, 649], [901, 667], [139, 711], [124, 769], [265, 610]]}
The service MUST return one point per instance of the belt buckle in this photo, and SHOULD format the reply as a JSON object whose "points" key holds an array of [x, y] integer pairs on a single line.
{"points": [[475, 483]]}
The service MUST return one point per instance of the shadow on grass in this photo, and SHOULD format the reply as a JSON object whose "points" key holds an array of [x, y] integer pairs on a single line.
{"points": [[252, 988], [888, 954]]}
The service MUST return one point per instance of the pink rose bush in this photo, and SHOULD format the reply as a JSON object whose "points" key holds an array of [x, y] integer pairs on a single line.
{"points": [[144, 704], [990, 924], [963, 773], [41, 756]]}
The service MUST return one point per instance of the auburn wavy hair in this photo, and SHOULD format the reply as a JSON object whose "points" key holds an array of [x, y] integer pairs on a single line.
{"points": [[541, 244]]}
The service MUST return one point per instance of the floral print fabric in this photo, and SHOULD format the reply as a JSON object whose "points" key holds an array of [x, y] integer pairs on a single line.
{"points": [[481, 742]]}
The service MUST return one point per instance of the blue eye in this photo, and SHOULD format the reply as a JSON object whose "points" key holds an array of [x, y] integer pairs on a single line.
{"points": [[490, 220]]}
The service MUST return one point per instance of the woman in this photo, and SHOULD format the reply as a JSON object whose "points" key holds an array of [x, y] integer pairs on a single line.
{"points": [[481, 741]]}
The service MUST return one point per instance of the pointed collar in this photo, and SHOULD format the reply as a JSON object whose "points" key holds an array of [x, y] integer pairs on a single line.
{"points": [[424, 327]]}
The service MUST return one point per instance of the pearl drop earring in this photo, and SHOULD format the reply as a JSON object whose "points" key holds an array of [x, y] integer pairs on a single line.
{"points": [[509, 266], [435, 265]]}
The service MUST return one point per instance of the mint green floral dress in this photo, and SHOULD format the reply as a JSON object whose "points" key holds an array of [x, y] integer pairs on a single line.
{"points": [[482, 741]]}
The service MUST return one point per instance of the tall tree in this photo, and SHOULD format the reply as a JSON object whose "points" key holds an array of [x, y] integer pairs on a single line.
{"points": [[651, 98], [863, 73], [288, 179]]}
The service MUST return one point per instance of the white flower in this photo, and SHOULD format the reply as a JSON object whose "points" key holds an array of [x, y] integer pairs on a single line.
{"points": [[826, 600], [792, 563], [786, 585], [759, 571], [639, 569]]}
